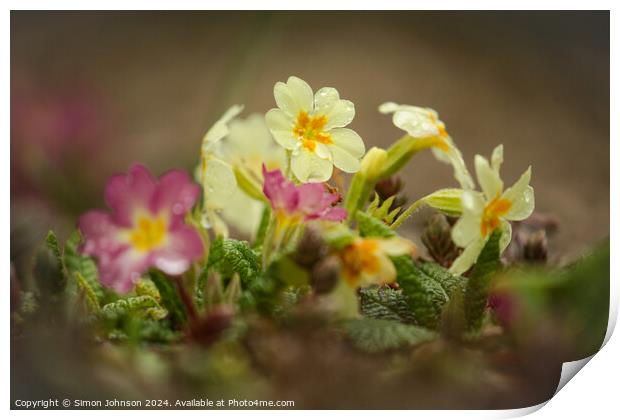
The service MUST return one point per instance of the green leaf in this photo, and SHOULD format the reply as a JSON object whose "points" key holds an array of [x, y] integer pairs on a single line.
{"points": [[52, 244], [376, 335], [371, 226], [453, 322], [48, 268], [385, 303], [75, 262], [144, 306], [170, 298], [448, 281], [426, 287], [146, 287], [477, 291], [229, 256], [91, 302]]}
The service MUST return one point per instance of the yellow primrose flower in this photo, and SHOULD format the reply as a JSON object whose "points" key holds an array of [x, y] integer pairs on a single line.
{"points": [[311, 126], [424, 123], [366, 261], [492, 208], [233, 145]]}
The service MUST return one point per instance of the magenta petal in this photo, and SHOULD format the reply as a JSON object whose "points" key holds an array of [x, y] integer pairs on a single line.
{"points": [[310, 197], [282, 193], [335, 214], [175, 194], [100, 234], [125, 193], [123, 271], [184, 246]]}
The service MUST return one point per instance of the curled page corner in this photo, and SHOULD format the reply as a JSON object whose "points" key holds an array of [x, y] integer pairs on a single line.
{"points": [[569, 370]]}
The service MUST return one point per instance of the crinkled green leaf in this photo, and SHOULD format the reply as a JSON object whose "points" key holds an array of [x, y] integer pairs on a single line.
{"points": [[371, 226], [144, 306], [87, 294], [443, 276], [78, 263], [146, 287], [229, 256], [477, 291], [48, 269], [385, 303], [426, 287], [376, 335], [52, 244], [170, 298]]}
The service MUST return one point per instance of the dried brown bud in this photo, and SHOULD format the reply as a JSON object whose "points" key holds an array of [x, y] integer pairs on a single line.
{"points": [[325, 275], [535, 247], [389, 187], [438, 240], [311, 248]]}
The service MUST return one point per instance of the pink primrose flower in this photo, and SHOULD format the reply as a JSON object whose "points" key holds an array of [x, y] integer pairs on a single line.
{"points": [[306, 201], [145, 229]]}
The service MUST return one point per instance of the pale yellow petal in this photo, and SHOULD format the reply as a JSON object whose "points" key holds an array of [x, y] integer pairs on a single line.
{"points": [[497, 158], [219, 183], [343, 160], [489, 180], [219, 130], [468, 257], [416, 123], [396, 246], [472, 202], [506, 237], [281, 127], [466, 229], [349, 141], [243, 213], [521, 195], [339, 112], [454, 157], [293, 96], [308, 167]]}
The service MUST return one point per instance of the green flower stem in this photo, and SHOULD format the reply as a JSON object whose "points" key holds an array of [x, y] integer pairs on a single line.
{"points": [[289, 171], [402, 151], [359, 192], [405, 215], [269, 239]]}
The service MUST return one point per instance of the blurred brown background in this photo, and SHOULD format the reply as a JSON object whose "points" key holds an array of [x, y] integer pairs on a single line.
{"points": [[93, 92]]}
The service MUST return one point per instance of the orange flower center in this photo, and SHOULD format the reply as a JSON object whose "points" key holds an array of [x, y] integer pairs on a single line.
{"points": [[309, 130], [148, 233], [359, 257], [441, 128], [491, 214]]}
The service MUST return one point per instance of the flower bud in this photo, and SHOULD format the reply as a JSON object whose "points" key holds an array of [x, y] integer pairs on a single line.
{"points": [[208, 329], [372, 163], [438, 240], [325, 275], [535, 247], [311, 248]]}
